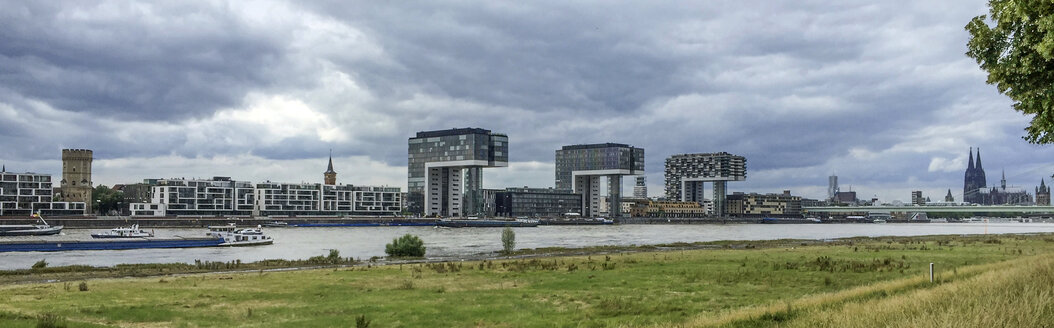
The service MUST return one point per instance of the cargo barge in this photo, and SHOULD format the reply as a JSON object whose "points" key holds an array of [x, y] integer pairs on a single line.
{"points": [[365, 224], [112, 244], [486, 223]]}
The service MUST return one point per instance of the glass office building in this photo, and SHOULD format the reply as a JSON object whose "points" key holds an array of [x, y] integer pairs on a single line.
{"points": [[536, 202], [445, 175], [579, 168]]}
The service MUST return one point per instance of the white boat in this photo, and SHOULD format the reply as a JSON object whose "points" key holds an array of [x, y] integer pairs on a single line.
{"points": [[232, 236], [879, 221], [124, 232]]}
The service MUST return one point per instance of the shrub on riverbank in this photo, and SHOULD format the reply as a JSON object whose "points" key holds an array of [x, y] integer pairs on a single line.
{"points": [[508, 240], [406, 246]]}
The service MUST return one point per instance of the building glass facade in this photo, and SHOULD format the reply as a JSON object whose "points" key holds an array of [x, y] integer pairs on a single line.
{"points": [[536, 202], [579, 168], [444, 170]]}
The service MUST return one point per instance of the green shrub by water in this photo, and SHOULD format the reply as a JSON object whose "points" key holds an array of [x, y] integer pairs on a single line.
{"points": [[406, 246]]}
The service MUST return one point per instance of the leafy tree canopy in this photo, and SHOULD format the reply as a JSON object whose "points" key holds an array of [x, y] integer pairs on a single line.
{"points": [[1018, 54]]}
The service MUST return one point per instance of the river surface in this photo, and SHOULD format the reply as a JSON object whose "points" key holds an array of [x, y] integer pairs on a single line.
{"points": [[364, 242]]}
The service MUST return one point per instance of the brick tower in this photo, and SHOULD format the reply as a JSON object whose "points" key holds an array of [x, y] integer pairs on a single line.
{"points": [[76, 177]]}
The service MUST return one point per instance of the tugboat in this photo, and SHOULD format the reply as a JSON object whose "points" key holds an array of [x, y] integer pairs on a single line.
{"points": [[30, 229], [124, 232], [232, 236]]}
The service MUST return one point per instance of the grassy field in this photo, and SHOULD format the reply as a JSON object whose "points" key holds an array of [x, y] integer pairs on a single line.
{"points": [[981, 282]]}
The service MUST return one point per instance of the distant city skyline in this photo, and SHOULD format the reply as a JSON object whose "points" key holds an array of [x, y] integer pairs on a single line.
{"points": [[879, 94]]}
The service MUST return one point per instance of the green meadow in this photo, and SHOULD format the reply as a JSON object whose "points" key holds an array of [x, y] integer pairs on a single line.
{"points": [[981, 281]]}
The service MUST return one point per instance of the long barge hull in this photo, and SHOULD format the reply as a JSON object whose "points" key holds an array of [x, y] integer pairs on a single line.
{"points": [[366, 224], [484, 224], [85, 245]]}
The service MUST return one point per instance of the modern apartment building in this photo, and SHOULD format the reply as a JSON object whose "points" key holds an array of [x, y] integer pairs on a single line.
{"points": [[917, 199], [536, 202], [445, 170], [752, 204], [22, 194], [213, 198], [580, 167], [686, 174]]}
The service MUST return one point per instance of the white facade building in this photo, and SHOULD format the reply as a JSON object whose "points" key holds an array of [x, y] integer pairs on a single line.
{"points": [[22, 194], [221, 197]]}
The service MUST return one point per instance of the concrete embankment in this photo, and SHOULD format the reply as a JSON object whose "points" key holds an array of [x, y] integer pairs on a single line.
{"points": [[107, 222]]}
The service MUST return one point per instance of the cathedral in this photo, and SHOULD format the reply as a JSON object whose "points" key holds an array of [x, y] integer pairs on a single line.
{"points": [[975, 188], [974, 181]]}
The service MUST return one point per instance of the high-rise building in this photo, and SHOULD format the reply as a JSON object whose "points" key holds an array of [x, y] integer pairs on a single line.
{"points": [[580, 167], [686, 174], [974, 181], [1043, 193], [446, 170], [640, 189], [330, 176], [917, 199], [832, 187], [76, 183]]}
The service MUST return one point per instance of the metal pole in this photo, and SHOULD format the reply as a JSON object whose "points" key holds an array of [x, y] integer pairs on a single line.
{"points": [[931, 271]]}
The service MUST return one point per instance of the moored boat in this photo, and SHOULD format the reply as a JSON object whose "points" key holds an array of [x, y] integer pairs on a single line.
{"points": [[30, 229], [233, 236], [124, 232]]}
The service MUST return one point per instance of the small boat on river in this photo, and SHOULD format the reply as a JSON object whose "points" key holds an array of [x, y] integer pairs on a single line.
{"points": [[233, 236], [124, 232], [30, 229]]}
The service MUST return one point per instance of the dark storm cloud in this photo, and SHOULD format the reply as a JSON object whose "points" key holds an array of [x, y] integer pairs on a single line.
{"points": [[134, 61]]}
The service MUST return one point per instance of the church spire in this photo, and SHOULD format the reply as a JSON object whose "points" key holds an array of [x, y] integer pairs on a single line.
{"points": [[330, 169], [979, 159], [970, 167], [330, 176]]}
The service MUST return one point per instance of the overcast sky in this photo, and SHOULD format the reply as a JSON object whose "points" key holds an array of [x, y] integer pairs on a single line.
{"points": [[878, 93]]}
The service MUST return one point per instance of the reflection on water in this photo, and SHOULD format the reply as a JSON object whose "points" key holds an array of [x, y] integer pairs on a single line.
{"points": [[364, 242]]}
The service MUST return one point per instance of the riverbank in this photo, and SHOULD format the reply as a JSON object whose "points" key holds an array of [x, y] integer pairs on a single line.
{"points": [[716, 283]]}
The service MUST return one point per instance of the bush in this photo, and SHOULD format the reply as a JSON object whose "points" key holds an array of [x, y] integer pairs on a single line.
{"points": [[40, 264], [83, 286], [406, 246], [508, 240]]}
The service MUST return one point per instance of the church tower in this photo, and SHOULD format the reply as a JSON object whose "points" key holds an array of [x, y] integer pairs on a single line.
{"points": [[330, 175], [1043, 193], [974, 180]]}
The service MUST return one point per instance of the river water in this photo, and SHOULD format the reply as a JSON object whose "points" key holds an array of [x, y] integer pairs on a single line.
{"points": [[364, 242]]}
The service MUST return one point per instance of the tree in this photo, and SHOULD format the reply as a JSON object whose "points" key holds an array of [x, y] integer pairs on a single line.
{"points": [[406, 246], [1018, 54], [508, 240], [106, 199]]}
